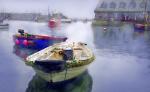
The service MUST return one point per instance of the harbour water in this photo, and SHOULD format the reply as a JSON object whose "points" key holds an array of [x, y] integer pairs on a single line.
{"points": [[121, 65], [122, 61]]}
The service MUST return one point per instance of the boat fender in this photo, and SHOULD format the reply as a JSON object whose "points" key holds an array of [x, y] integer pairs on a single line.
{"points": [[25, 42], [17, 42]]}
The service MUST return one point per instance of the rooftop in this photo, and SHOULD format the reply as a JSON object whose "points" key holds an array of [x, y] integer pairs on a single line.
{"points": [[123, 5]]}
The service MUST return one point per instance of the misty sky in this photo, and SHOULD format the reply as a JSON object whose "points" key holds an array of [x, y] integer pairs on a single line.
{"points": [[71, 8]]}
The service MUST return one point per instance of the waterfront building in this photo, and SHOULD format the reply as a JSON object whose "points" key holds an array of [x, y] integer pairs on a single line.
{"points": [[125, 10]]}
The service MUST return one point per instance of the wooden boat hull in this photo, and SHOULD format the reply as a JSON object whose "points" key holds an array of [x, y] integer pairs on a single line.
{"points": [[61, 62]]}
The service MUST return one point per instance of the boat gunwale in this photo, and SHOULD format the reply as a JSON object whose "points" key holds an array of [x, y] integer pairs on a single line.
{"points": [[69, 64]]}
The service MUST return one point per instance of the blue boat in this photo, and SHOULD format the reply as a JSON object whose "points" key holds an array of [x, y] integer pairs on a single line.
{"points": [[35, 41]]}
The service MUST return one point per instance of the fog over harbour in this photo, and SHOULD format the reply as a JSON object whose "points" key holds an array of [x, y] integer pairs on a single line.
{"points": [[122, 54], [70, 8]]}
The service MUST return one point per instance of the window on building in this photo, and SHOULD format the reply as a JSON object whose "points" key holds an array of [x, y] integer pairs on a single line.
{"points": [[113, 5], [103, 5], [122, 5], [132, 4], [142, 4]]}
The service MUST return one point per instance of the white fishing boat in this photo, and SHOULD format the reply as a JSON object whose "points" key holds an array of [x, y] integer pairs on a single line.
{"points": [[4, 25], [62, 61]]}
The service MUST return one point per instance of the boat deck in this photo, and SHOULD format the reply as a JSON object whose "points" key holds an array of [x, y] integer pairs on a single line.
{"points": [[80, 52]]}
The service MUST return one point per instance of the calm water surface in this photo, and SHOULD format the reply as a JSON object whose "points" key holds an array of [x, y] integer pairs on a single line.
{"points": [[122, 60]]}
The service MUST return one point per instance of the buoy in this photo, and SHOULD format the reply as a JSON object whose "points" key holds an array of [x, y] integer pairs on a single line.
{"points": [[25, 42], [17, 42], [105, 28]]}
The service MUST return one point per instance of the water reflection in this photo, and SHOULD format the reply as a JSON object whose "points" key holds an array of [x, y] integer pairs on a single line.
{"points": [[82, 83], [123, 39], [122, 58], [22, 52], [112, 36]]}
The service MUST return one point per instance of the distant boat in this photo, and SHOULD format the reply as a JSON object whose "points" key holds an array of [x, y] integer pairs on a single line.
{"points": [[139, 27], [53, 22], [70, 59], [4, 25], [67, 20], [35, 41], [56, 18]]}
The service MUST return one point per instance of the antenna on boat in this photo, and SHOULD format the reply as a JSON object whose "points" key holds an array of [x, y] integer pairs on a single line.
{"points": [[49, 15], [145, 11]]}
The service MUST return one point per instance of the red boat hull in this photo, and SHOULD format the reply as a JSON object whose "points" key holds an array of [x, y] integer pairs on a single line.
{"points": [[139, 27], [53, 23]]}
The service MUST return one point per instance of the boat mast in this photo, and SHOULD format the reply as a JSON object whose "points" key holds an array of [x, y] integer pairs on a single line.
{"points": [[145, 12], [49, 15]]}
